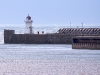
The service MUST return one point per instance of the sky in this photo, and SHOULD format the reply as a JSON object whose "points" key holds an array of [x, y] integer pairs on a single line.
{"points": [[50, 11]]}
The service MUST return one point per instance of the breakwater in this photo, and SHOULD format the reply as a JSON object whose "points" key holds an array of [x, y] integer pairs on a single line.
{"points": [[63, 36], [12, 38]]}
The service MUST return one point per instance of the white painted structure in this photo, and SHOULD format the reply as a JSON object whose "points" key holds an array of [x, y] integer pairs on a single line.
{"points": [[28, 26]]}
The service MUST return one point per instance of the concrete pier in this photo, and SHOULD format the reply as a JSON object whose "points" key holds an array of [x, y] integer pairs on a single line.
{"points": [[12, 38], [83, 37]]}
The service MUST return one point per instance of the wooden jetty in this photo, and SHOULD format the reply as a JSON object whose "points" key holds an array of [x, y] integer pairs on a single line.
{"points": [[86, 42]]}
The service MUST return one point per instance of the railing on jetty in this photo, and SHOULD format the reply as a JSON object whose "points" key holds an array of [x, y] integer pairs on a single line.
{"points": [[80, 31]]}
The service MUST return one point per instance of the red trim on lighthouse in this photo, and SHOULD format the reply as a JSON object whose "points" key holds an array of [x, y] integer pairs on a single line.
{"points": [[29, 18]]}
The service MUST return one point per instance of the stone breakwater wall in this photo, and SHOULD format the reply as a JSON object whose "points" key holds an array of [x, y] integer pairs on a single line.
{"points": [[11, 38]]}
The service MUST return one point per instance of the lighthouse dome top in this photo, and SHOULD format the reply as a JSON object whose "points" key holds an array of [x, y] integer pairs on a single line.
{"points": [[28, 17]]}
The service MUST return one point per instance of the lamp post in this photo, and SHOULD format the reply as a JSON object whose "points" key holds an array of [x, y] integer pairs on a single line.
{"points": [[82, 28]]}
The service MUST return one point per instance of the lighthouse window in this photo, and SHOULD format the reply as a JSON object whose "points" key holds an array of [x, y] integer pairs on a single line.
{"points": [[29, 18]]}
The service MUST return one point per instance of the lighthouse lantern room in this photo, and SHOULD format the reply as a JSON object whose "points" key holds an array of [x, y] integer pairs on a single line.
{"points": [[28, 27]]}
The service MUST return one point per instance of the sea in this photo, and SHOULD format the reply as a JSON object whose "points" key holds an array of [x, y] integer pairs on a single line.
{"points": [[45, 59]]}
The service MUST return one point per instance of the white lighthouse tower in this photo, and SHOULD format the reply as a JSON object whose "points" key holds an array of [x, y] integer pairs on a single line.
{"points": [[28, 27]]}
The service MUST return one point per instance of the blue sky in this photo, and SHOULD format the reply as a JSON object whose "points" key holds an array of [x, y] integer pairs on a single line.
{"points": [[50, 11]]}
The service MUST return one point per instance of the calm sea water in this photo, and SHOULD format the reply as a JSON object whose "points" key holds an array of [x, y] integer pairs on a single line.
{"points": [[42, 51]]}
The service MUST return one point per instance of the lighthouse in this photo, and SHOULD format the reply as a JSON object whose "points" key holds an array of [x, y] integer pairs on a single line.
{"points": [[28, 26]]}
